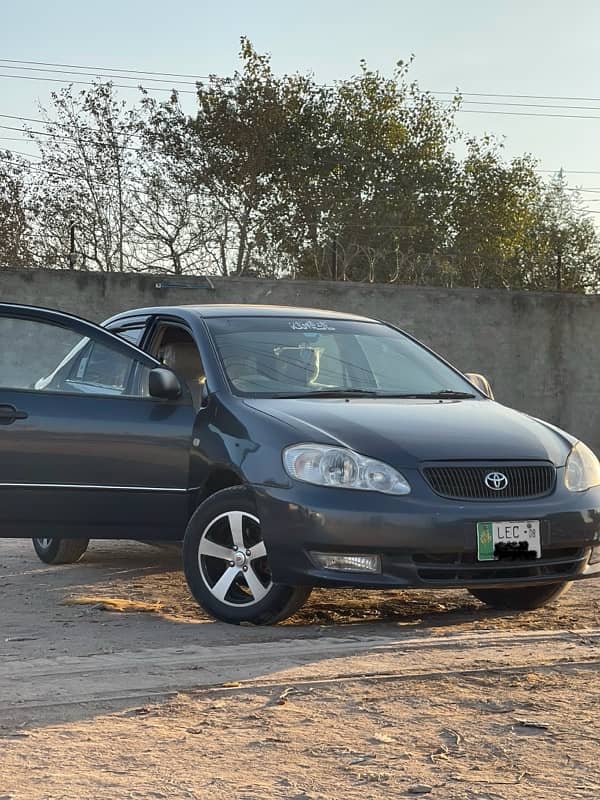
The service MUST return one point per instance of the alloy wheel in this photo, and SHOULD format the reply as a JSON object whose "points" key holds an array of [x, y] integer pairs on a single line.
{"points": [[233, 559], [44, 543]]}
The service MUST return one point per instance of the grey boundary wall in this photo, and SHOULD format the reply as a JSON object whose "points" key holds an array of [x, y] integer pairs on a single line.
{"points": [[539, 349]]}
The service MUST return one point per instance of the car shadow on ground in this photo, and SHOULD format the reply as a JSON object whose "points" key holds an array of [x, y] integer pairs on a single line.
{"points": [[150, 578], [144, 574]]}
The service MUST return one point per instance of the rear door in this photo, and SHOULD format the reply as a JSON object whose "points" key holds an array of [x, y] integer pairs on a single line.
{"points": [[85, 452]]}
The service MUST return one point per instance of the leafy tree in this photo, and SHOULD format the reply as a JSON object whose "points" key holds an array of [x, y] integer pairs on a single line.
{"points": [[280, 176], [493, 211], [565, 247]]}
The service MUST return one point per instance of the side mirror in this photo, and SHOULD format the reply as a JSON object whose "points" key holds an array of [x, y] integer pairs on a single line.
{"points": [[481, 382], [164, 384]]}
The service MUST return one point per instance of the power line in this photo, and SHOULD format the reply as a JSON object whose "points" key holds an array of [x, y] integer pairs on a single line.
{"points": [[524, 105], [93, 83], [570, 171], [524, 113], [518, 96], [106, 70], [71, 139], [110, 69], [96, 75], [14, 138], [194, 92], [206, 193], [18, 152], [39, 120], [587, 190]]}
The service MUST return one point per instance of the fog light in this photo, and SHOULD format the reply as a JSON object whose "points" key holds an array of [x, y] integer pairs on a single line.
{"points": [[348, 562], [595, 557]]}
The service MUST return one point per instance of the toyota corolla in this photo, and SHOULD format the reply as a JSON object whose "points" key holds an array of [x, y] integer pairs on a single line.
{"points": [[288, 448]]}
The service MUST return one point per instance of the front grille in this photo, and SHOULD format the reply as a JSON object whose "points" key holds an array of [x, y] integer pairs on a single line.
{"points": [[468, 482]]}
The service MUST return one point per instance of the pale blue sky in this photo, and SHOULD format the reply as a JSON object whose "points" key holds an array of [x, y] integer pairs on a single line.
{"points": [[538, 47]]}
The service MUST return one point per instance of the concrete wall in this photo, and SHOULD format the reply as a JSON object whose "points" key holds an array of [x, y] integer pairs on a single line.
{"points": [[540, 350]]}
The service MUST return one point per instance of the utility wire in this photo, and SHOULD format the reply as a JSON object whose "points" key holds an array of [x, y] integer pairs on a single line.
{"points": [[96, 75], [18, 152], [71, 139], [518, 96], [106, 70], [40, 121], [93, 83], [111, 76], [524, 113], [110, 69], [588, 189], [134, 182], [525, 105]]}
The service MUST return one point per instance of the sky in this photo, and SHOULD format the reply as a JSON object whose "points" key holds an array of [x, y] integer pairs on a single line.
{"points": [[531, 47]]}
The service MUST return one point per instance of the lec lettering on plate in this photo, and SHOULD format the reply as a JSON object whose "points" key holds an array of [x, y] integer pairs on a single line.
{"points": [[510, 532]]}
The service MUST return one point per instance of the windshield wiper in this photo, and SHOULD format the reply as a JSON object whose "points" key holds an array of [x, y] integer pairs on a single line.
{"points": [[340, 392], [443, 394]]}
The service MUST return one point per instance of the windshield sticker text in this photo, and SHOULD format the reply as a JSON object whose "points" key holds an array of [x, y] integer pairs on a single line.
{"points": [[310, 325]]}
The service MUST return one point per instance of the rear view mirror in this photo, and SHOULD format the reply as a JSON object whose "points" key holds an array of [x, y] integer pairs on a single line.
{"points": [[164, 384], [481, 382]]}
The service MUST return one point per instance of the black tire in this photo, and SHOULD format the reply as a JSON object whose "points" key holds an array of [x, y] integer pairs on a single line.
{"points": [[60, 551], [521, 598], [212, 527]]}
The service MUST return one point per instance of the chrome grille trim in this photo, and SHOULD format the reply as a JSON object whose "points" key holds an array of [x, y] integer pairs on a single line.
{"points": [[466, 481]]}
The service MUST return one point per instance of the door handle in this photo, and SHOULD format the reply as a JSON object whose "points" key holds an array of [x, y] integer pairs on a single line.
{"points": [[9, 414]]}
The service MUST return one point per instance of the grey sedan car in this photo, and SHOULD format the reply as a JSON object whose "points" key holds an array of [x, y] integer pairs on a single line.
{"points": [[288, 448]]}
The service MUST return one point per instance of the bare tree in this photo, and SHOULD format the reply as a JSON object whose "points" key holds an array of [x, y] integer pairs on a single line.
{"points": [[88, 153], [15, 213]]}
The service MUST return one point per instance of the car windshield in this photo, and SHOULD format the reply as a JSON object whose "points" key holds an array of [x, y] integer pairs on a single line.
{"points": [[302, 357]]}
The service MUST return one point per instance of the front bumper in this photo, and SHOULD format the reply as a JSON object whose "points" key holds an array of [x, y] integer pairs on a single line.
{"points": [[424, 541]]}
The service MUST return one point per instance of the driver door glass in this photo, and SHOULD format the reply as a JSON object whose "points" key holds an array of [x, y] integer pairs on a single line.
{"points": [[49, 358]]}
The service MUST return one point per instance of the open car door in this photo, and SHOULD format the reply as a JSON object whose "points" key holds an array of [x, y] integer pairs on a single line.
{"points": [[85, 451]]}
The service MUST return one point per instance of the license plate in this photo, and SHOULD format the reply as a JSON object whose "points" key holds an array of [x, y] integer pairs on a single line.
{"points": [[506, 540]]}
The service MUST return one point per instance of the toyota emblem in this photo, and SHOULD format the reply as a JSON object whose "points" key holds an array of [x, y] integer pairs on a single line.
{"points": [[497, 481]]}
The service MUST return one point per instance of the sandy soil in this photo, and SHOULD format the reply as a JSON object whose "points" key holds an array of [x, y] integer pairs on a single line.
{"points": [[158, 585], [485, 737], [453, 701]]}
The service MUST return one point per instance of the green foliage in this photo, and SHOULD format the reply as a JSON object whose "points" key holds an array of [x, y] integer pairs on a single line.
{"points": [[280, 176]]}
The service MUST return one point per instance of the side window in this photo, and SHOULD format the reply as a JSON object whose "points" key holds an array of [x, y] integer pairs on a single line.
{"points": [[131, 334], [46, 357], [176, 349], [102, 368]]}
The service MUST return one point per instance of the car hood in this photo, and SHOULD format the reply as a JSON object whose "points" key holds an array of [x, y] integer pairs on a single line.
{"points": [[404, 432]]}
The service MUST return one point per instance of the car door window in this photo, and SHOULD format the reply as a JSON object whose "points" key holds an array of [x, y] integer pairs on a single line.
{"points": [[175, 347], [45, 357], [130, 334], [101, 368]]}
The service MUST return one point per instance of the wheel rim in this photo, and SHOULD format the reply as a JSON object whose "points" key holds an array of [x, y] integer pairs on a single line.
{"points": [[232, 558], [44, 543]]}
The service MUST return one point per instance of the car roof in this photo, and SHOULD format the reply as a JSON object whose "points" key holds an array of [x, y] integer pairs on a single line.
{"points": [[239, 310]]}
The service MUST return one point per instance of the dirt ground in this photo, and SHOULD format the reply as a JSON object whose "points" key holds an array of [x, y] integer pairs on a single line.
{"points": [[497, 737], [366, 694]]}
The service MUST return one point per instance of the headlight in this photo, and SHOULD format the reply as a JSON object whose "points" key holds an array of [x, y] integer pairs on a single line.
{"points": [[337, 466], [582, 470]]}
